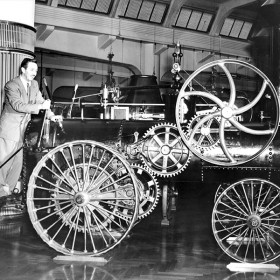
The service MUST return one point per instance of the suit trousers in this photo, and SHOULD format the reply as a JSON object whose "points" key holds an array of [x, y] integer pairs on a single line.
{"points": [[10, 172]]}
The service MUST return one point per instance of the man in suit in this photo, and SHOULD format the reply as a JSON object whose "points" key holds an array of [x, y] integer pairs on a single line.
{"points": [[22, 98]]}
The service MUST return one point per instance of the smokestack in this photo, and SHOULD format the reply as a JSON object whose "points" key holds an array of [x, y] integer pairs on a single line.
{"points": [[270, 10]]}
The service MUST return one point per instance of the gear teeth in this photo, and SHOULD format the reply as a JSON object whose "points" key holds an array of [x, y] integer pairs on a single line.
{"points": [[151, 131], [156, 190]]}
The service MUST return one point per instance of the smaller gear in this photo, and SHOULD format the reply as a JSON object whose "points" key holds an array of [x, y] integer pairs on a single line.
{"points": [[163, 151], [207, 135], [149, 191]]}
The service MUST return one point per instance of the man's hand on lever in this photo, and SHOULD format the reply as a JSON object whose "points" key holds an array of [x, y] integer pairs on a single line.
{"points": [[46, 105]]}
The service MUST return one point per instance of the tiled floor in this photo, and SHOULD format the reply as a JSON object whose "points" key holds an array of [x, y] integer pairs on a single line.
{"points": [[184, 250]]}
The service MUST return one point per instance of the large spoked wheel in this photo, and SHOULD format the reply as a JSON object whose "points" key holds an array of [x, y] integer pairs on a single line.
{"points": [[246, 221], [213, 119], [82, 198]]}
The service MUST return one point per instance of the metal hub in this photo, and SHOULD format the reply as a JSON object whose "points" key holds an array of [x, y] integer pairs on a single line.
{"points": [[227, 112], [254, 221], [165, 150], [205, 131], [81, 198]]}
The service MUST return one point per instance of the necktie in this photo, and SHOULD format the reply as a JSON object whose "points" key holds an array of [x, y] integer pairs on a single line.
{"points": [[27, 89]]}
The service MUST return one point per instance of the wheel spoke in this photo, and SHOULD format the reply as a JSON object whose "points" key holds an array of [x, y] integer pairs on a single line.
{"points": [[264, 236], [253, 102], [75, 229], [64, 179], [105, 213], [223, 142], [264, 199], [157, 157], [94, 180], [174, 142], [268, 208], [248, 245], [87, 176], [62, 190], [54, 213], [231, 85], [65, 218], [210, 96], [241, 212], [158, 140], [229, 228], [246, 197], [75, 167], [259, 197], [232, 216], [166, 135], [249, 130], [70, 229], [241, 200], [97, 190]]}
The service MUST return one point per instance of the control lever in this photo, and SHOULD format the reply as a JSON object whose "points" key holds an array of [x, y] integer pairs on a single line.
{"points": [[73, 100]]}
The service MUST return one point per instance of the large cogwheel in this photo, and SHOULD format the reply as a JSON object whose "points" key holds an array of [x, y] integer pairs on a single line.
{"points": [[149, 191], [163, 151], [207, 135]]}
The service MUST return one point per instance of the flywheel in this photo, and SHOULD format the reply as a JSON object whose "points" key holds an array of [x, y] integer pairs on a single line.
{"points": [[212, 119]]}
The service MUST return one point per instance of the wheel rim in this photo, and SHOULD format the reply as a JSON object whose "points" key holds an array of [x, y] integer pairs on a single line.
{"points": [[232, 131], [82, 198], [246, 221]]}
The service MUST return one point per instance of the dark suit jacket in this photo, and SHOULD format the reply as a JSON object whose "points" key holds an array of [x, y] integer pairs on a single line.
{"points": [[17, 108]]}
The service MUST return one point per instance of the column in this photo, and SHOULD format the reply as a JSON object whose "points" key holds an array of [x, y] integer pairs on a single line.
{"points": [[17, 38]]}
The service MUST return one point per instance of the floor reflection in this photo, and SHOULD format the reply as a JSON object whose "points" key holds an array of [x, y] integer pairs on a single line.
{"points": [[252, 275], [78, 272], [184, 250]]}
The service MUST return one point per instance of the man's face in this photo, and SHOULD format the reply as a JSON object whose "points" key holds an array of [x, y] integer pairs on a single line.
{"points": [[30, 72]]}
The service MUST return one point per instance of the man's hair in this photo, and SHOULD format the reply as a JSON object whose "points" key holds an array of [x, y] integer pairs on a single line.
{"points": [[25, 62]]}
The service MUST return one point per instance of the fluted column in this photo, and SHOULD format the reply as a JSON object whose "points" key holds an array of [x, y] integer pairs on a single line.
{"points": [[17, 38]]}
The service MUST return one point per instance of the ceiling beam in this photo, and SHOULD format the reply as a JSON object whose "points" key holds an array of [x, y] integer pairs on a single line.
{"points": [[160, 48], [88, 75], [54, 3], [174, 8], [43, 32], [105, 40]]}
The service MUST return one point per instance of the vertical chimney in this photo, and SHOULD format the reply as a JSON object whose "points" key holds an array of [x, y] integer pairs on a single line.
{"points": [[270, 10]]}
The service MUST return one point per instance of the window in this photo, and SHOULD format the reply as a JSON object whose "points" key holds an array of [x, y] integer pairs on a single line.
{"points": [[194, 20], [145, 10], [99, 6], [236, 28]]}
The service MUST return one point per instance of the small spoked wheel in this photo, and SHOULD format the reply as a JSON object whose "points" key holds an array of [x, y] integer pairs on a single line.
{"points": [[246, 221], [82, 198]]}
